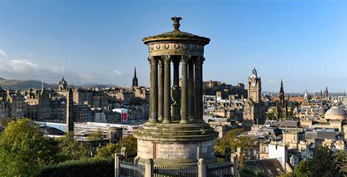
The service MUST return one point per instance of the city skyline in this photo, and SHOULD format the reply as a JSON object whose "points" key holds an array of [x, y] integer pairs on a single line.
{"points": [[303, 45]]}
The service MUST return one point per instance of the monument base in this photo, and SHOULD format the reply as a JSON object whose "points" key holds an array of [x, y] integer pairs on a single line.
{"points": [[175, 144]]}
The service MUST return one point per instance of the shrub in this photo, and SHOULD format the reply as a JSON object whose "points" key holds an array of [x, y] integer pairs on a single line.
{"points": [[80, 168]]}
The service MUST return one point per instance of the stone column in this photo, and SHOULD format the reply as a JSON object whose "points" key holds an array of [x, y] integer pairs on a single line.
{"points": [[198, 89], [149, 170], [167, 88], [161, 91], [176, 92], [191, 91], [202, 168], [154, 91], [117, 165], [184, 90]]}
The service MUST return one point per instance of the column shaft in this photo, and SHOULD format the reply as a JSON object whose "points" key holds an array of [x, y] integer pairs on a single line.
{"points": [[191, 94], [184, 91], [176, 92], [161, 91], [198, 89], [167, 87], [154, 91]]}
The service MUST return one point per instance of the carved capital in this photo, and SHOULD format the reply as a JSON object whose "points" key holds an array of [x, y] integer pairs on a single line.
{"points": [[186, 58], [199, 61], [166, 58], [152, 60]]}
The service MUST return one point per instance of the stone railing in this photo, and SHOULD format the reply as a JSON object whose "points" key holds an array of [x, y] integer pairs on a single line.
{"points": [[202, 169]]}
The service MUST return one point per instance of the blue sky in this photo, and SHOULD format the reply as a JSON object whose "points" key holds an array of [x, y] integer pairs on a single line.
{"points": [[100, 41]]}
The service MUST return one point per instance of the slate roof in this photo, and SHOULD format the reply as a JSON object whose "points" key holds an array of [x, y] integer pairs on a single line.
{"points": [[269, 167]]}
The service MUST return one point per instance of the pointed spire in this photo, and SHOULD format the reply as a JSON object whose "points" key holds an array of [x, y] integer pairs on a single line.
{"points": [[135, 80], [281, 88]]}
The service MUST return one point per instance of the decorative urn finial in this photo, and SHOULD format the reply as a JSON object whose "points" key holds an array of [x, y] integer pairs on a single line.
{"points": [[176, 23]]}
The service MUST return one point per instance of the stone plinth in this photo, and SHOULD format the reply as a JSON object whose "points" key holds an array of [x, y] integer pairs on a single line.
{"points": [[175, 144]]}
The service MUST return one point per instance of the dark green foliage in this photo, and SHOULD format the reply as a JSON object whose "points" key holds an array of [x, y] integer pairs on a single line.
{"points": [[324, 164], [70, 149], [84, 167], [23, 149]]}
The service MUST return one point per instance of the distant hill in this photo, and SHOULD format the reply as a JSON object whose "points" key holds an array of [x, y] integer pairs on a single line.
{"points": [[23, 84], [35, 84]]}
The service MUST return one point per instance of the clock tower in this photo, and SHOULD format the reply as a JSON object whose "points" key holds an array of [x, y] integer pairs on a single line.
{"points": [[254, 87], [252, 113]]}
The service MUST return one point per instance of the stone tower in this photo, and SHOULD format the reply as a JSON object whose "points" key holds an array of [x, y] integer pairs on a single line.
{"points": [[282, 106], [135, 80], [254, 87], [326, 93], [176, 134], [62, 84], [253, 105], [69, 111]]}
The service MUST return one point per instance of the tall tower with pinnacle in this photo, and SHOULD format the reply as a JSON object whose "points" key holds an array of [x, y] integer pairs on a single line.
{"points": [[326, 93], [253, 105], [69, 111], [282, 106], [135, 80]]}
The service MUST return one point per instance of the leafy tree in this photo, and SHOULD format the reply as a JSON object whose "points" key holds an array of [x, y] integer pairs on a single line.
{"points": [[323, 163], [302, 170], [70, 149], [96, 136], [231, 140], [5, 121], [130, 142], [23, 149], [341, 161], [108, 151]]}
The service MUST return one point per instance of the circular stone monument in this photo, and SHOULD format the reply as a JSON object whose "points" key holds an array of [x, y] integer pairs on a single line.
{"points": [[176, 134]]}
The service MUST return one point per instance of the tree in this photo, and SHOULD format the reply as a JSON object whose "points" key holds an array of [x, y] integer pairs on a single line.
{"points": [[232, 140], [23, 149], [302, 170], [130, 142], [5, 121], [96, 136], [323, 163], [341, 161], [70, 149], [108, 151]]}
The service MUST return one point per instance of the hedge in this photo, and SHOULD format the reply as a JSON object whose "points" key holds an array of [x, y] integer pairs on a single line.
{"points": [[80, 168]]}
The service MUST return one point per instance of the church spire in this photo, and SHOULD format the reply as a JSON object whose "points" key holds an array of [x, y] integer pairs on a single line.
{"points": [[135, 80]]}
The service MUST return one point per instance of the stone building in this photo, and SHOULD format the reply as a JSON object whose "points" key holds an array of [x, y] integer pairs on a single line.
{"points": [[15, 104], [253, 106], [175, 134], [62, 85]]}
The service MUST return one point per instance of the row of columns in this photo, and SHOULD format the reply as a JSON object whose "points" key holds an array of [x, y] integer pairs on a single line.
{"points": [[168, 103]]}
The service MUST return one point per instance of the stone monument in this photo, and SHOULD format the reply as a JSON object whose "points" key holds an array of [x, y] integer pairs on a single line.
{"points": [[176, 134]]}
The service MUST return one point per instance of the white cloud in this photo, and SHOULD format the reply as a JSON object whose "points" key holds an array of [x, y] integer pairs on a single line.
{"points": [[118, 73], [18, 66], [25, 69], [2, 54]]}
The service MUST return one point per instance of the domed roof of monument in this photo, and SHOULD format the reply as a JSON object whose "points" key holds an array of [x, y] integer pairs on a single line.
{"points": [[336, 113], [176, 35]]}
